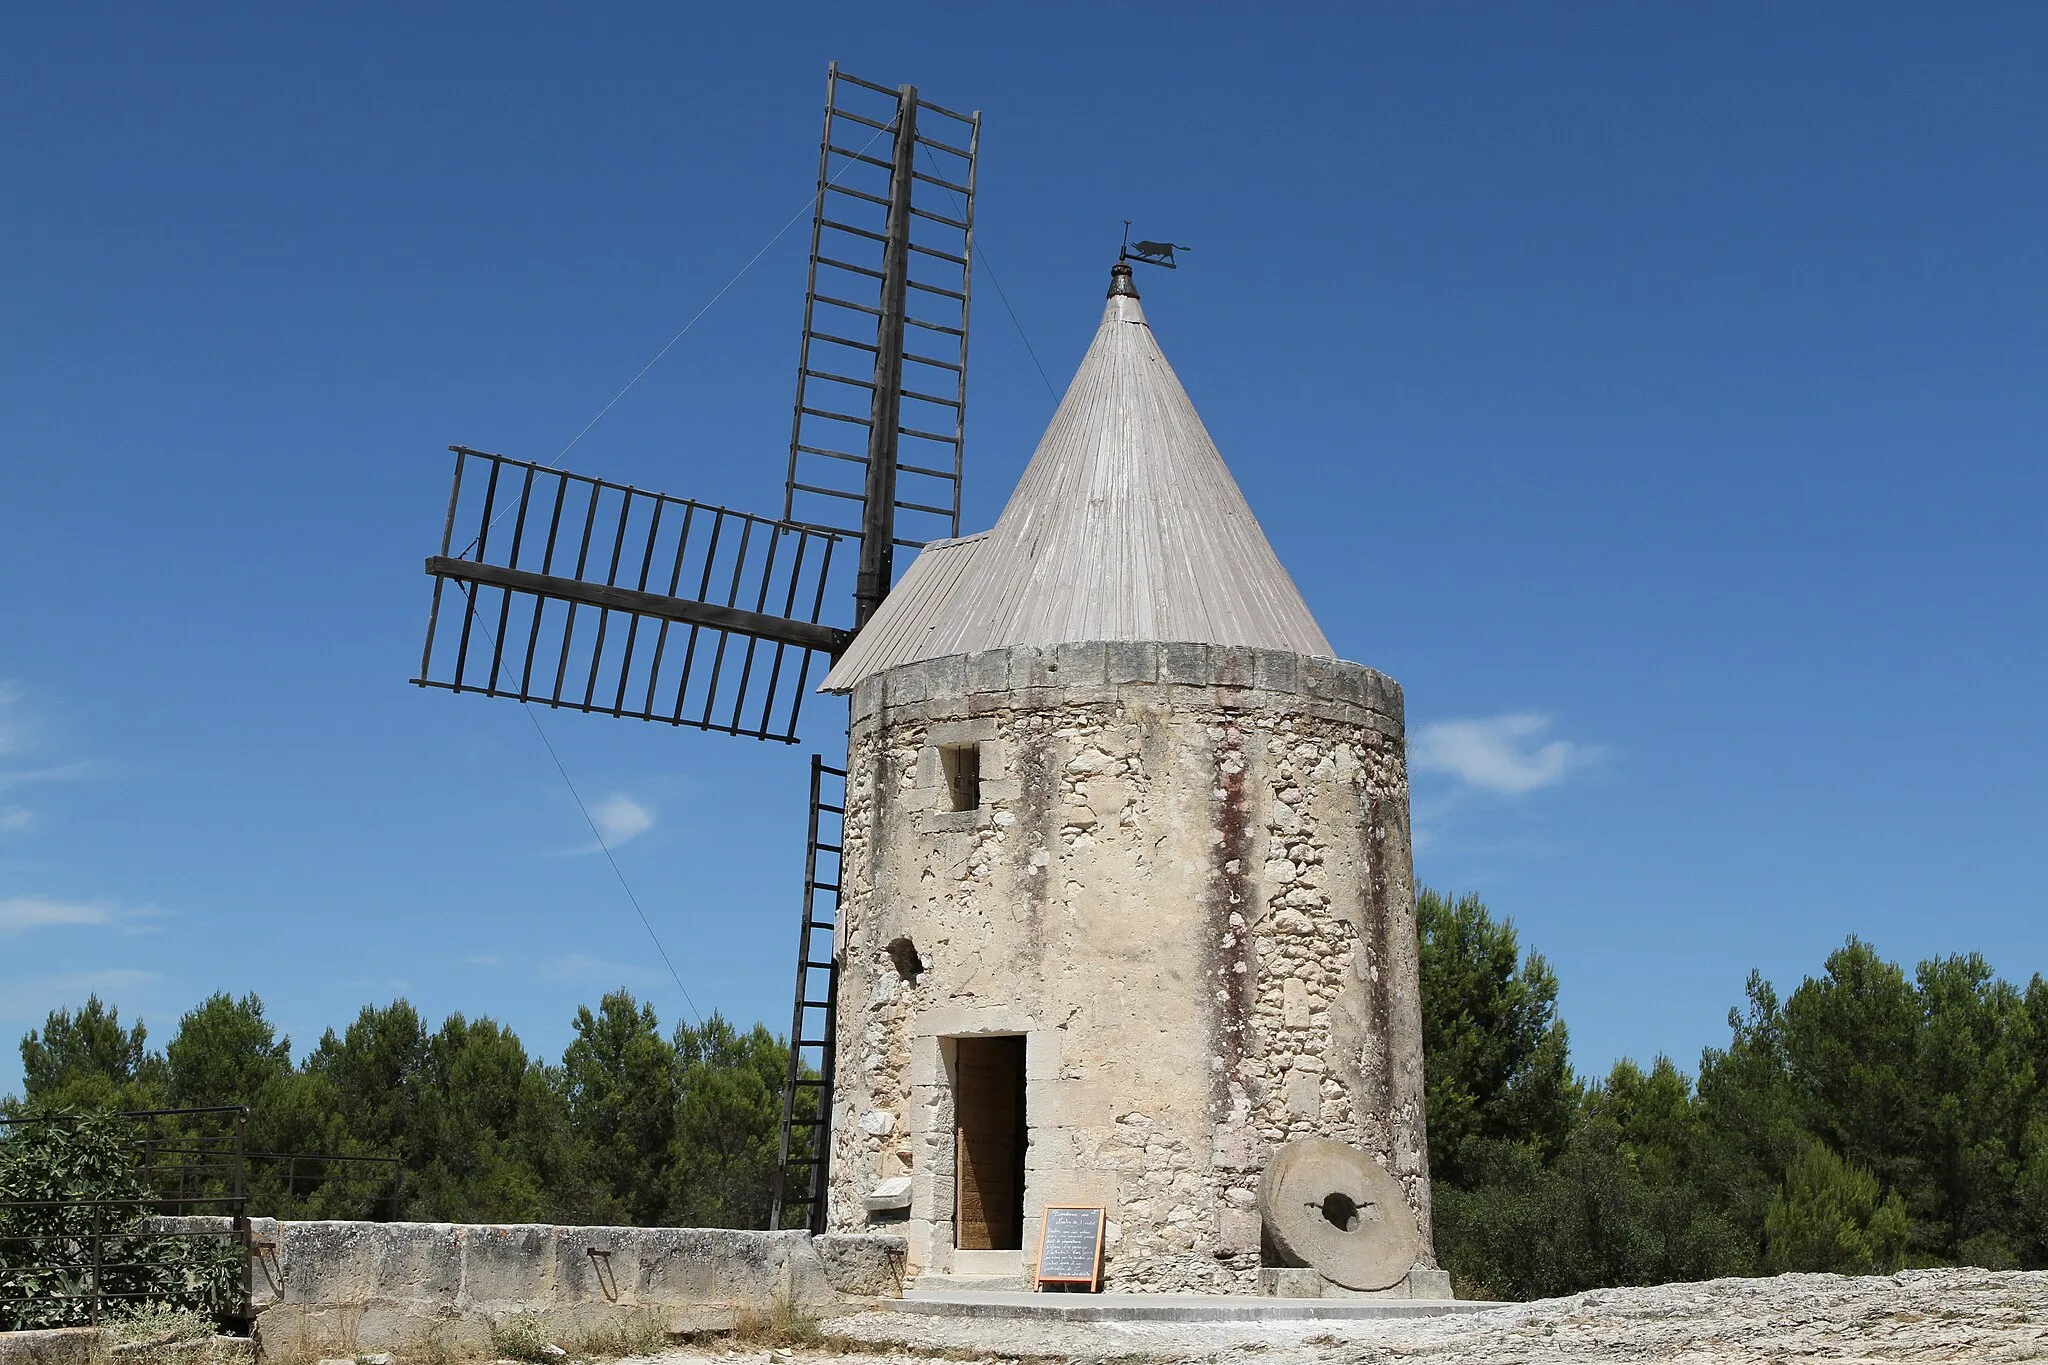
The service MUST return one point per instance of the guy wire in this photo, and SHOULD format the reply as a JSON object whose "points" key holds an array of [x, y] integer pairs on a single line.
{"points": [[989, 265], [780, 232], [469, 599]]}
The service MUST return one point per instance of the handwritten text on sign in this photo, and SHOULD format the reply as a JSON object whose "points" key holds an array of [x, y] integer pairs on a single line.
{"points": [[1070, 1247]]}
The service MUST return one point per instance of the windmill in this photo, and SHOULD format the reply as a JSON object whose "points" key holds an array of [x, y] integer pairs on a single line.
{"points": [[596, 596]]}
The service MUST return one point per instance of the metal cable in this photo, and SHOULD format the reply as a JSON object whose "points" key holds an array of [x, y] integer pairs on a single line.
{"points": [[469, 598], [695, 318], [988, 265]]}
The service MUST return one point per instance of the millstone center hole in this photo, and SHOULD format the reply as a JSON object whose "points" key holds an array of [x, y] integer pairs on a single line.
{"points": [[1342, 1212]]}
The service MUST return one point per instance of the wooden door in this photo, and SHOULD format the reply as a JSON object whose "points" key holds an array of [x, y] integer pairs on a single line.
{"points": [[988, 1144]]}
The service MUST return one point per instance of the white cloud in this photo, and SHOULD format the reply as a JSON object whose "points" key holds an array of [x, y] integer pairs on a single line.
{"points": [[18, 737], [18, 913], [19, 777], [25, 1000], [1506, 754], [620, 818], [36, 912]]}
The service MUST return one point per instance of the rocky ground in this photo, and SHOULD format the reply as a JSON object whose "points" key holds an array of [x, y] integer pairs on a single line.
{"points": [[1925, 1315]]}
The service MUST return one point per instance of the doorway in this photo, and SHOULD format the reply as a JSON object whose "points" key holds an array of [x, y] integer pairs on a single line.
{"points": [[989, 1136]]}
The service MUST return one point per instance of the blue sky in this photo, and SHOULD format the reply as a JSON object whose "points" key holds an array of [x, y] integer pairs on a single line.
{"points": [[1654, 391]]}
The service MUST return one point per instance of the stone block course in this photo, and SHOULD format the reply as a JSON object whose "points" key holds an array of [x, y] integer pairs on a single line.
{"points": [[1185, 665], [1131, 661], [1082, 664]]}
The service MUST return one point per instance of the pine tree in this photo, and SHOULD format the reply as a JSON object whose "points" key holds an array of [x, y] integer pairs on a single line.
{"points": [[1828, 1217]]}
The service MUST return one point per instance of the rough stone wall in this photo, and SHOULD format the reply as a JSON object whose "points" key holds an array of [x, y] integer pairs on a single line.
{"points": [[1187, 885], [343, 1288]]}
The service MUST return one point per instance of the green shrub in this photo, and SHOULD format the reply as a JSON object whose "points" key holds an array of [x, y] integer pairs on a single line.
{"points": [[1828, 1217], [47, 1255]]}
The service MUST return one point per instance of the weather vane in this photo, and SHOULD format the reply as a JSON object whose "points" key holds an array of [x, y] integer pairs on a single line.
{"points": [[1149, 253]]}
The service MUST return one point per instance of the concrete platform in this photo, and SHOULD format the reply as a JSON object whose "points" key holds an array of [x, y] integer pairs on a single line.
{"points": [[1030, 1307]]}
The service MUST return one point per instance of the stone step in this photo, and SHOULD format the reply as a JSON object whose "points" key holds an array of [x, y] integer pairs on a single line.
{"points": [[967, 1284]]}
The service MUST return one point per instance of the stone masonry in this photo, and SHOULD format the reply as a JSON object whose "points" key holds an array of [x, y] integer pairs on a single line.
{"points": [[1188, 886]]}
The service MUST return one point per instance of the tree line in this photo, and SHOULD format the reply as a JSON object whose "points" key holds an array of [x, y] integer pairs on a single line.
{"points": [[1870, 1119], [633, 1125]]}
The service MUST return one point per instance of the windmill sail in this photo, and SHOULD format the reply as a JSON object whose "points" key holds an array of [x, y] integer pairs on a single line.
{"points": [[571, 591], [577, 592], [881, 390]]}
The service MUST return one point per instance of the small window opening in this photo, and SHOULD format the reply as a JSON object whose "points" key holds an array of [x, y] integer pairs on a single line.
{"points": [[909, 965], [1342, 1211], [960, 766]]}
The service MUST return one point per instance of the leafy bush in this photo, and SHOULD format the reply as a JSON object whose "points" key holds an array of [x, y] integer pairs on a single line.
{"points": [[1828, 1217], [48, 1254]]}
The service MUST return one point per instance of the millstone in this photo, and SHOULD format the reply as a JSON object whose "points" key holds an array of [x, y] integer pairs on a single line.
{"points": [[1332, 1207]]}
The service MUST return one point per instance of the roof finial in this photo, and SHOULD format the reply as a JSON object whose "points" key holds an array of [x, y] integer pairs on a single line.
{"points": [[1120, 282]]}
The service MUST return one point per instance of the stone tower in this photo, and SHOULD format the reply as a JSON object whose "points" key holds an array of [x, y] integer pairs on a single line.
{"points": [[1127, 897]]}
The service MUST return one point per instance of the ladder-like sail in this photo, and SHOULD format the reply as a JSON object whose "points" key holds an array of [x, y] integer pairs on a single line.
{"points": [[596, 596], [881, 391]]}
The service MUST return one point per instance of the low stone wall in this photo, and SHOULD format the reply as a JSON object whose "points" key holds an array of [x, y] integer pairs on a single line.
{"points": [[341, 1289], [97, 1346], [53, 1346]]}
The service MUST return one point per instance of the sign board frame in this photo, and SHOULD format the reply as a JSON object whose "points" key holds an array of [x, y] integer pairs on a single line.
{"points": [[1094, 1278]]}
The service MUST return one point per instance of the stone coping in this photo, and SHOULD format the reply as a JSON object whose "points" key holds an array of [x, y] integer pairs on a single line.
{"points": [[1115, 1307], [1025, 677]]}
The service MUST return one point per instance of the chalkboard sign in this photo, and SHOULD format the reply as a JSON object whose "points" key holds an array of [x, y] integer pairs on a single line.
{"points": [[1070, 1245]]}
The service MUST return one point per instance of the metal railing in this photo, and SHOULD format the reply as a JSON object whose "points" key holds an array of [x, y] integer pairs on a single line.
{"points": [[67, 1261], [180, 1230], [316, 1172]]}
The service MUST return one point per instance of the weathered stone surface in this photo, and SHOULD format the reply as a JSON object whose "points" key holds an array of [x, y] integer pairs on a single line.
{"points": [[863, 1264], [1189, 888], [889, 1195], [1333, 1208], [55, 1346], [1917, 1315], [347, 1289]]}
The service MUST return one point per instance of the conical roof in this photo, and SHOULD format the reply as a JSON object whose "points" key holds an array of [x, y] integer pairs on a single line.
{"points": [[1125, 526]]}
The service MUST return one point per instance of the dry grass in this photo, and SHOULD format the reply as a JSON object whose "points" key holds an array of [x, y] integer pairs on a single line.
{"points": [[151, 1335], [436, 1347], [523, 1336], [780, 1324], [637, 1336]]}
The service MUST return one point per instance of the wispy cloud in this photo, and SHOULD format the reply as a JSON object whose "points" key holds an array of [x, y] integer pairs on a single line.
{"points": [[620, 818], [19, 735], [21, 777], [1505, 754], [24, 1000], [20, 913], [15, 727]]}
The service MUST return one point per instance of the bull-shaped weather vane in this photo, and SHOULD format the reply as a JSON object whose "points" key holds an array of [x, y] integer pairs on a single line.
{"points": [[1149, 253]]}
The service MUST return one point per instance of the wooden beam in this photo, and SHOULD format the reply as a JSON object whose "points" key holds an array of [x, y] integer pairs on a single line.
{"points": [[878, 506], [803, 634]]}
